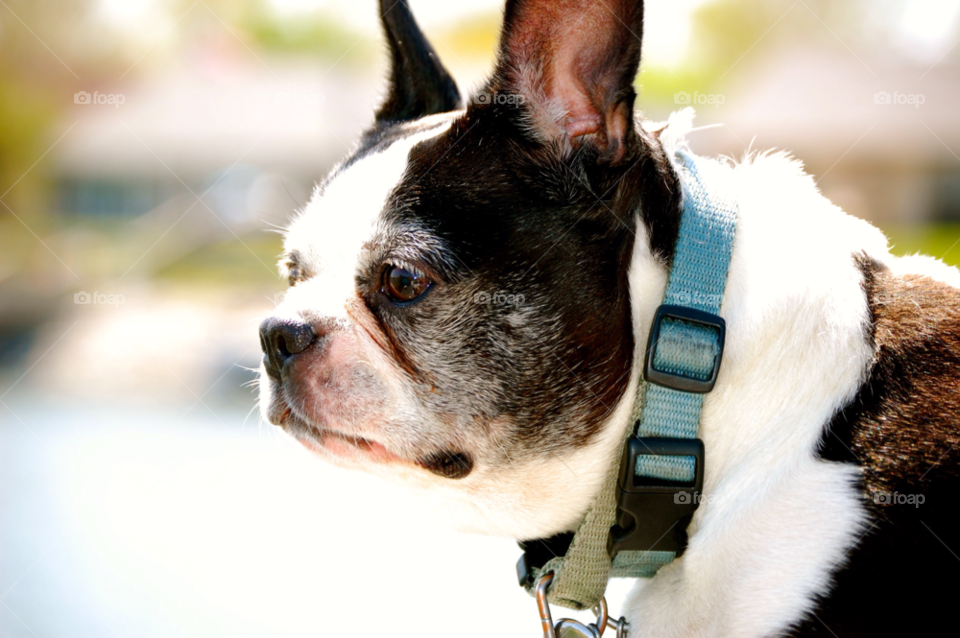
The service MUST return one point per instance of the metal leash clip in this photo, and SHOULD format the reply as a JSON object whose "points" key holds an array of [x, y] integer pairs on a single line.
{"points": [[569, 628]]}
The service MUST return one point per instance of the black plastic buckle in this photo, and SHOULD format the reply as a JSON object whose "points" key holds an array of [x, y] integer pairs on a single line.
{"points": [[674, 381], [652, 514]]}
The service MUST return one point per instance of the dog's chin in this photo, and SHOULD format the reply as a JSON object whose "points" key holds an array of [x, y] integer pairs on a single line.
{"points": [[360, 452], [453, 487], [335, 446]]}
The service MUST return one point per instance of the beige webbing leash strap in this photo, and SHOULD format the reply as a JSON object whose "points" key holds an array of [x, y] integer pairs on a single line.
{"points": [[580, 576]]}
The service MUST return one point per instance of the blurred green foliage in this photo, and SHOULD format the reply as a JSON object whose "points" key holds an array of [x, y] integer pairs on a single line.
{"points": [[474, 38], [26, 113], [937, 240], [250, 261], [316, 35]]}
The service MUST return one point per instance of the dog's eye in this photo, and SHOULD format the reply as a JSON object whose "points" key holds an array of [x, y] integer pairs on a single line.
{"points": [[403, 285], [294, 275], [295, 272]]}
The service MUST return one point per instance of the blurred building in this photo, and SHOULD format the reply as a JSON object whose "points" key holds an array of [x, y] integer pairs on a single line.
{"points": [[222, 118], [883, 141]]}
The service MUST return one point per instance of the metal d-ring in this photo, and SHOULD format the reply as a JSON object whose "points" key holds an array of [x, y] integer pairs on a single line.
{"points": [[602, 616], [546, 620]]}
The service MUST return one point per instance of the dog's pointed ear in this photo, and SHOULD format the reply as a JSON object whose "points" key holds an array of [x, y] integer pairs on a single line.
{"points": [[419, 84], [574, 63]]}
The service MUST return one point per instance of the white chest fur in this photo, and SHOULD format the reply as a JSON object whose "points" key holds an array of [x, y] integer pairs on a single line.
{"points": [[775, 521]]}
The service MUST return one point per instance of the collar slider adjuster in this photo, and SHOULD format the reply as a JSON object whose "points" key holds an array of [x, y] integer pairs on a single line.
{"points": [[684, 349]]}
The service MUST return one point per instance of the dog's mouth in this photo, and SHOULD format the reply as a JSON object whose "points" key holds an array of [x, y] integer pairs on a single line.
{"points": [[344, 447], [329, 442]]}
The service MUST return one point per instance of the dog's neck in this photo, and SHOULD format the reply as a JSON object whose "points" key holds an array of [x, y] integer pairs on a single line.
{"points": [[654, 184]]}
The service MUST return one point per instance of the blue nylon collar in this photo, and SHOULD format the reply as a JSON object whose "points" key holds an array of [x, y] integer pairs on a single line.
{"points": [[697, 280], [684, 349]]}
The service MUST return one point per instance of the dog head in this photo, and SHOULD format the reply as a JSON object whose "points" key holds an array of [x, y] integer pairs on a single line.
{"points": [[459, 311]]}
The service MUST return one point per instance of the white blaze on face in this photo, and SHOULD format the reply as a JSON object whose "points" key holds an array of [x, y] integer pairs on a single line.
{"points": [[330, 233]]}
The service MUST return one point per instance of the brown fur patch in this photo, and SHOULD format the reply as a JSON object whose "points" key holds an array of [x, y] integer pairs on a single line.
{"points": [[903, 431], [905, 422]]}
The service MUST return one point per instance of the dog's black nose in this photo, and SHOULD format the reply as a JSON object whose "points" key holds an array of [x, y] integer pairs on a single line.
{"points": [[281, 339]]}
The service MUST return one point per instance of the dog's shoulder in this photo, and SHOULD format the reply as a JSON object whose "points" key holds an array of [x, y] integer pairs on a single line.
{"points": [[905, 420], [902, 430]]}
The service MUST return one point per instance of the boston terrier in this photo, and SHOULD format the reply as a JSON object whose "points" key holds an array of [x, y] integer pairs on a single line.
{"points": [[471, 291]]}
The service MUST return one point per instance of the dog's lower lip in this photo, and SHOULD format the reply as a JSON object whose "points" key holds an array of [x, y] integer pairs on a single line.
{"points": [[323, 440], [340, 444]]}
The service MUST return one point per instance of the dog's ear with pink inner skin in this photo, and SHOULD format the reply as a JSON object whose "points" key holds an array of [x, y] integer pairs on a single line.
{"points": [[574, 63]]}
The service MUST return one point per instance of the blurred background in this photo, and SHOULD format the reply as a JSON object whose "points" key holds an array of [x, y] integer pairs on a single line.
{"points": [[149, 152]]}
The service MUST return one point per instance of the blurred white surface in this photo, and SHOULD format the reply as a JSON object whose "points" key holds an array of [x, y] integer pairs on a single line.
{"points": [[152, 522]]}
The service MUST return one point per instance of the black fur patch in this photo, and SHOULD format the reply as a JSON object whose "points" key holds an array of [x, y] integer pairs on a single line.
{"points": [[903, 430], [557, 235], [451, 465]]}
